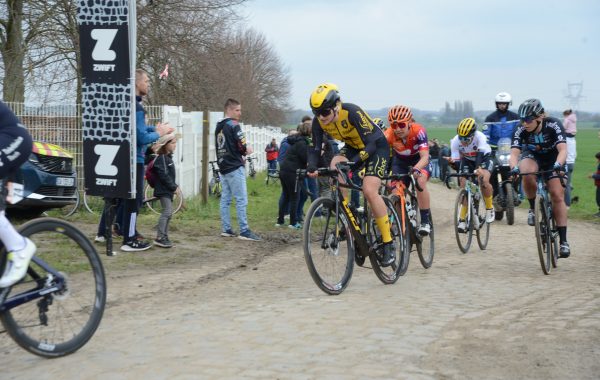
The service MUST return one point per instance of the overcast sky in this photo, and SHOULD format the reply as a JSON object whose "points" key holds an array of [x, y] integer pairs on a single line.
{"points": [[423, 53]]}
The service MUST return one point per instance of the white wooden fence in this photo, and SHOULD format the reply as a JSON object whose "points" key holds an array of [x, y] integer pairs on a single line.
{"points": [[189, 147], [61, 125]]}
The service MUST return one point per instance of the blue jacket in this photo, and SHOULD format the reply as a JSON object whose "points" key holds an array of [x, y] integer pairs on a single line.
{"points": [[145, 134], [498, 125]]}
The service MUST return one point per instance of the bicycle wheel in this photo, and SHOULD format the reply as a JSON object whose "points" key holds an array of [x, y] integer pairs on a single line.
{"points": [[154, 203], [554, 240], [463, 239], [510, 204], [425, 244], [542, 234], [390, 274], [69, 210], [329, 254], [214, 187], [67, 315], [405, 231], [93, 204], [483, 228]]}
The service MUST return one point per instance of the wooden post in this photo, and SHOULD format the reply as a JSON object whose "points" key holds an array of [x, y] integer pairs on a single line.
{"points": [[205, 144]]}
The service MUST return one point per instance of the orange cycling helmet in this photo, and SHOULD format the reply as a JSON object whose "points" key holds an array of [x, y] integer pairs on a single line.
{"points": [[400, 114]]}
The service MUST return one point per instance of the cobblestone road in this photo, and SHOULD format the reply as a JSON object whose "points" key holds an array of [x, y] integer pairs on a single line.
{"points": [[484, 315]]}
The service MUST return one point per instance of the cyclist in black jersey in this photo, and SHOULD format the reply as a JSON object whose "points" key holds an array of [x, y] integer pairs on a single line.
{"points": [[541, 142], [15, 148], [365, 145]]}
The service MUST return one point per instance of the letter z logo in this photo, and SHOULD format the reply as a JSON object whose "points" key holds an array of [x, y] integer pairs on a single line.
{"points": [[107, 154], [104, 39]]}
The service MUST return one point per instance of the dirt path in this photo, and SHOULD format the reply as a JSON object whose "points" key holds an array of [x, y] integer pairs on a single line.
{"points": [[234, 309]]}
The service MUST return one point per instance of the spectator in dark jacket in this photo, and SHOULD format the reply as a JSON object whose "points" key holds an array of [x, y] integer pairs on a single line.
{"points": [[596, 178], [296, 158], [444, 152], [165, 186]]}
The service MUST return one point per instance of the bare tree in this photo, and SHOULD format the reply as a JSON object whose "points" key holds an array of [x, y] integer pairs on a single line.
{"points": [[210, 53], [20, 27]]}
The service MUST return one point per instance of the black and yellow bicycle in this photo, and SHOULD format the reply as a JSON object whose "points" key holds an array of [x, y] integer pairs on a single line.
{"points": [[336, 236]]}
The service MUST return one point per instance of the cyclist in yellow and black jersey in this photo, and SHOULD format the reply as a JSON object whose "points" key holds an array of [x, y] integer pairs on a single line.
{"points": [[365, 145]]}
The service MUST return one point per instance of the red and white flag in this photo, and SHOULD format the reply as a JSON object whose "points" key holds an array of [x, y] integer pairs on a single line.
{"points": [[164, 73]]}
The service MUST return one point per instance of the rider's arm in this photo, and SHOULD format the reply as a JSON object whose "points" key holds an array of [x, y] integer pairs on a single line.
{"points": [[483, 148], [423, 147], [562, 153], [454, 152], [367, 130], [515, 148]]}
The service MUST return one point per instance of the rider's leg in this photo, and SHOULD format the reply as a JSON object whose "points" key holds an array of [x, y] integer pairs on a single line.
{"points": [[486, 189], [559, 209], [370, 188], [528, 182], [423, 198]]}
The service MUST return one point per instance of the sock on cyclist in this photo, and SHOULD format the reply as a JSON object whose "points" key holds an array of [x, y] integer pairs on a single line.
{"points": [[13, 241], [383, 223], [531, 203], [463, 212], [424, 215], [562, 233], [489, 202]]}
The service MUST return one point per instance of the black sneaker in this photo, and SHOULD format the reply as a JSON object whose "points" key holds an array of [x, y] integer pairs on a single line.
{"points": [[135, 245], [249, 235], [228, 233], [389, 255], [531, 218], [565, 250], [163, 242]]}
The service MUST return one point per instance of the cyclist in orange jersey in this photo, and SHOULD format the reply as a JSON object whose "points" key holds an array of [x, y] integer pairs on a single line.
{"points": [[408, 141]]}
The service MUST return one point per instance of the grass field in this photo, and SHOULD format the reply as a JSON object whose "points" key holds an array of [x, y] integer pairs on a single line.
{"points": [[588, 144]]}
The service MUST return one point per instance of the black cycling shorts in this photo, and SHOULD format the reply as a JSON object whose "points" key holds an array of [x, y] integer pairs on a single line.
{"points": [[545, 162], [468, 166], [377, 164]]}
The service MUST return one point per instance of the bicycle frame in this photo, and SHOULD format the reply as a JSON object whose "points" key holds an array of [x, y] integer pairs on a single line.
{"points": [[42, 288], [360, 228], [472, 189]]}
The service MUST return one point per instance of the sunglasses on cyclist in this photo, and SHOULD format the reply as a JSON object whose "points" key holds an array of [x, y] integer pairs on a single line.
{"points": [[528, 119], [402, 125], [465, 138], [323, 113]]}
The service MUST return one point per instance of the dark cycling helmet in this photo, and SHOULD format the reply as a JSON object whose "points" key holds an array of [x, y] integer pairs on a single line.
{"points": [[325, 96], [379, 123], [400, 114], [531, 108], [467, 127]]}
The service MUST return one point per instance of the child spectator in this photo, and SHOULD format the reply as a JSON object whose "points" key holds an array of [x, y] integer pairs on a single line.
{"points": [[165, 186], [596, 178]]}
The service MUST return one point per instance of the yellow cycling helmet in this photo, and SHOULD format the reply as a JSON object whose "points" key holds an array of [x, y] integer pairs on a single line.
{"points": [[379, 123], [324, 97], [467, 127]]}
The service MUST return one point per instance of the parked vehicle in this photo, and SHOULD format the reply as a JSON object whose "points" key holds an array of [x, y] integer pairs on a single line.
{"points": [[49, 180]]}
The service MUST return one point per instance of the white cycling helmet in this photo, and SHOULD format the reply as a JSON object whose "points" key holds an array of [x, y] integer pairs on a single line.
{"points": [[503, 97]]}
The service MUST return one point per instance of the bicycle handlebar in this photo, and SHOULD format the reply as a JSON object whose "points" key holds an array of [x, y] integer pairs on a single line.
{"points": [[399, 177], [342, 168], [463, 175], [562, 177]]}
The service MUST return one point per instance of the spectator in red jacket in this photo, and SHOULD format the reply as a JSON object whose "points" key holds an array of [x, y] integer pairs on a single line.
{"points": [[272, 153]]}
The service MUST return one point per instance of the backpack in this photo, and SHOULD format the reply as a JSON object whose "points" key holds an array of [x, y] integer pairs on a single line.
{"points": [[151, 176]]}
